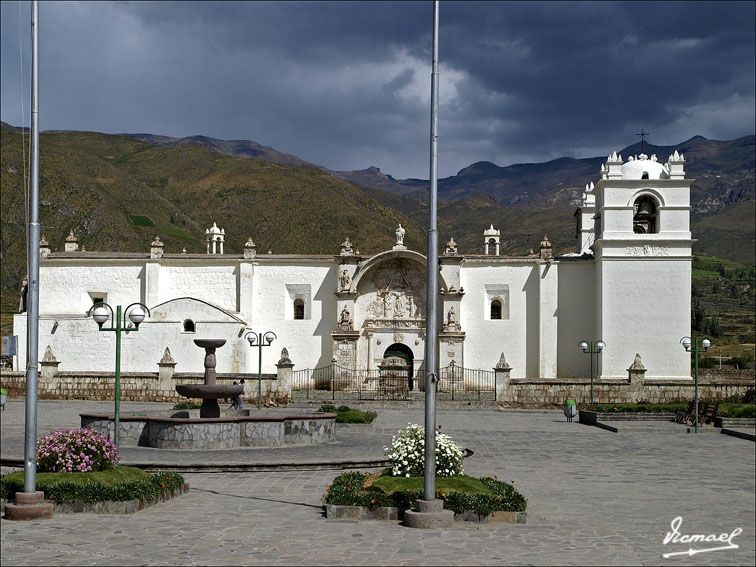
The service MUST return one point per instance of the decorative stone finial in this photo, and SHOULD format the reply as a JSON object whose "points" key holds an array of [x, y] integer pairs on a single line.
{"points": [[167, 358], [44, 248], [72, 243], [502, 364], [284, 357], [250, 249], [637, 364], [400, 238], [183, 250], [49, 356], [346, 248], [156, 248], [547, 252], [451, 248]]}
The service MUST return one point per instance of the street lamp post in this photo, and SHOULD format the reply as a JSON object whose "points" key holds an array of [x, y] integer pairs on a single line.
{"points": [[592, 348], [260, 340], [695, 346], [99, 312]]}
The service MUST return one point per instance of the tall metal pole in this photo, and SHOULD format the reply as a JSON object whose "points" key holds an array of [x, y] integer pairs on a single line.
{"points": [[32, 314], [695, 354], [117, 433], [431, 322], [591, 373], [259, 372]]}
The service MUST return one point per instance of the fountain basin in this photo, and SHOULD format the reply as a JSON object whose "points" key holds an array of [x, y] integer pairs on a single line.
{"points": [[209, 343], [267, 428], [209, 391]]}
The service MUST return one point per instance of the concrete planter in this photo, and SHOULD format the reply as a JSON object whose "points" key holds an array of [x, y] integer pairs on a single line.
{"points": [[111, 507], [334, 512]]}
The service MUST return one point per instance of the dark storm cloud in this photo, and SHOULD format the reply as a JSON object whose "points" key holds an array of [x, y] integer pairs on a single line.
{"points": [[346, 85]]}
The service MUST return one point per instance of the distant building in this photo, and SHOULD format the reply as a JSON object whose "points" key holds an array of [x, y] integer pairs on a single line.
{"points": [[628, 284]]}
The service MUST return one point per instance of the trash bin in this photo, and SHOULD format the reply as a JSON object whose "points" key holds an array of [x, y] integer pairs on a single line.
{"points": [[3, 397], [570, 410]]}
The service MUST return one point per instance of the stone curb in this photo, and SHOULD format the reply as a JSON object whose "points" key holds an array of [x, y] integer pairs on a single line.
{"points": [[386, 513], [110, 506], [740, 434], [236, 467]]}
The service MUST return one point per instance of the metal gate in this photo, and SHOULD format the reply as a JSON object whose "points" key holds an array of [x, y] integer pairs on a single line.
{"points": [[460, 383]]}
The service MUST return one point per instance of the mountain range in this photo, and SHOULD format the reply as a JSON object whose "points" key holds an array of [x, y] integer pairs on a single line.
{"points": [[117, 191]]}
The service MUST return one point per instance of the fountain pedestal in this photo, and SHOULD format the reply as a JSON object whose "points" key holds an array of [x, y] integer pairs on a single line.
{"points": [[209, 391]]}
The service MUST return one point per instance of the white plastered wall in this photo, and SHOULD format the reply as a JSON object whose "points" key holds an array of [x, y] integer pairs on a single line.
{"points": [[518, 336], [309, 341], [576, 317]]}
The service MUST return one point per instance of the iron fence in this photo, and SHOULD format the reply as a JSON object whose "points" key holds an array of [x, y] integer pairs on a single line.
{"points": [[336, 382]]}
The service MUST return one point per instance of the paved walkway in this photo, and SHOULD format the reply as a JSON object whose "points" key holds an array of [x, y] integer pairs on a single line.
{"points": [[594, 497]]}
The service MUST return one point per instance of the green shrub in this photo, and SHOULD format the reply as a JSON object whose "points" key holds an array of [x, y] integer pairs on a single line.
{"points": [[82, 488], [750, 396], [189, 404], [349, 489], [342, 409], [327, 408]]}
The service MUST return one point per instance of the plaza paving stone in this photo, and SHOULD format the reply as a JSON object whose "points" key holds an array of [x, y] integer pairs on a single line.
{"points": [[594, 498]]}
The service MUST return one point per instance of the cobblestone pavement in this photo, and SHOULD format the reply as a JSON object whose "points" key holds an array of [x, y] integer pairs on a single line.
{"points": [[594, 497]]}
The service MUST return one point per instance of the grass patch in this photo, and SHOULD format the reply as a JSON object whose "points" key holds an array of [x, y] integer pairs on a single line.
{"points": [[108, 478], [140, 220], [178, 233], [345, 414], [461, 483], [118, 485], [458, 493]]}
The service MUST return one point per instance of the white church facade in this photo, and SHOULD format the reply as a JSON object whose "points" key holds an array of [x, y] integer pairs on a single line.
{"points": [[628, 284]]}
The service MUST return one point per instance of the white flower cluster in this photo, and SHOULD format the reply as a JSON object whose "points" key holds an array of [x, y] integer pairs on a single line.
{"points": [[407, 453]]}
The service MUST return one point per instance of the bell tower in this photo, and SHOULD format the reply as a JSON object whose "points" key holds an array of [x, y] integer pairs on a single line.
{"points": [[642, 245]]}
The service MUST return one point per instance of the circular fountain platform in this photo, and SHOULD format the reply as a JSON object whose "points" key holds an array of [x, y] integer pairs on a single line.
{"points": [[177, 430]]}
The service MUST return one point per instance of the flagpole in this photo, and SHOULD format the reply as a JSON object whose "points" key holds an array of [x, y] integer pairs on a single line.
{"points": [[32, 314], [431, 330]]}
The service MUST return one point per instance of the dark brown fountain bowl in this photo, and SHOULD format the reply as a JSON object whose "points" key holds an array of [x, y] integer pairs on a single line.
{"points": [[209, 392], [209, 343]]}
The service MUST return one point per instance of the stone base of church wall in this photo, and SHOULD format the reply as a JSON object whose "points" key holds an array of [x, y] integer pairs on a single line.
{"points": [[135, 387], [544, 393]]}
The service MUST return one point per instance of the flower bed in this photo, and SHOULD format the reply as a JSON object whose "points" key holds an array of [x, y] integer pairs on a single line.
{"points": [[119, 485], [355, 495]]}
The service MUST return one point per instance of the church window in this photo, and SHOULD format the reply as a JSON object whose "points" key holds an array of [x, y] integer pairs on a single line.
{"points": [[644, 215], [299, 309], [645, 175], [496, 309], [188, 326]]}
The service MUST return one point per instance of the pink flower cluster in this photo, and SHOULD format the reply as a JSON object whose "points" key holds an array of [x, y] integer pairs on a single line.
{"points": [[75, 450]]}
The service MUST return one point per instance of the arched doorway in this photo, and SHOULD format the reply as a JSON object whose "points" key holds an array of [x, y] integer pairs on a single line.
{"points": [[405, 352]]}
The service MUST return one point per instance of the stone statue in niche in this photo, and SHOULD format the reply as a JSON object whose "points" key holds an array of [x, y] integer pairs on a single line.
{"points": [[344, 280], [345, 320], [451, 320], [400, 236]]}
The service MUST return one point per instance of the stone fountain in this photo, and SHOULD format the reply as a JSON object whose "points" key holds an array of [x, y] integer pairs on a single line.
{"points": [[209, 391]]}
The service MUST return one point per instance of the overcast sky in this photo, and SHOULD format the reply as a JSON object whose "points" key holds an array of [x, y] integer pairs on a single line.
{"points": [[347, 85]]}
